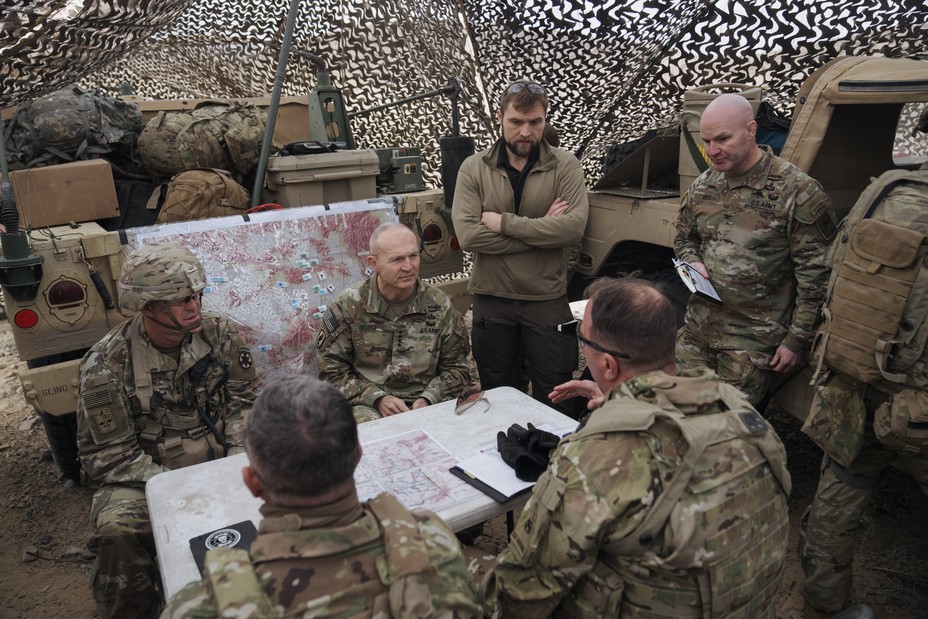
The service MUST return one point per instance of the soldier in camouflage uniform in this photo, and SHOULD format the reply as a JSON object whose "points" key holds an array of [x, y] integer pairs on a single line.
{"points": [[393, 342], [319, 552], [842, 423], [668, 501], [758, 228], [168, 388]]}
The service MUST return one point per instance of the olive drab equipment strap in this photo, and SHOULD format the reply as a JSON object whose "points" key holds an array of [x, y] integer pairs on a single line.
{"points": [[877, 300], [407, 557]]}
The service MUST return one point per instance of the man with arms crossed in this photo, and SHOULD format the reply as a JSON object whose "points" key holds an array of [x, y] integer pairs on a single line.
{"points": [[518, 206]]}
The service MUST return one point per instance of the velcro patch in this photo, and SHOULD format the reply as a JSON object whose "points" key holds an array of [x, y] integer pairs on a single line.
{"points": [[105, 421], [330, 322], [96, 398], [753, 422], [245, 360]]}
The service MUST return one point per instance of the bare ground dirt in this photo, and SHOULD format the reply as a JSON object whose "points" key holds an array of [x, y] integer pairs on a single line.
{"points": [[44, 524]]}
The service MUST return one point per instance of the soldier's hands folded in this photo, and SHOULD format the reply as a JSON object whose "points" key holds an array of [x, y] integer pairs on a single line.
{"points": [[526, 450]]}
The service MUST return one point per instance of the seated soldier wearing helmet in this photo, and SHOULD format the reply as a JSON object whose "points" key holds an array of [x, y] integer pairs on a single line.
{"points": [[168, 388]]}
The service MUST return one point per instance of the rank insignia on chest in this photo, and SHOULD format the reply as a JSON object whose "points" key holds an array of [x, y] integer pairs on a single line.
{"points": [[105, 421], [245, 360]]}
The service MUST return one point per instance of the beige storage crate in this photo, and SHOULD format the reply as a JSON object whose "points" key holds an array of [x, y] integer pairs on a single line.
{"points": [[324, 178]]}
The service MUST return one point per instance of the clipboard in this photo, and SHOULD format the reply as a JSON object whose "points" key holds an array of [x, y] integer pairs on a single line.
{"points": [[696, 282], [488, 490]]}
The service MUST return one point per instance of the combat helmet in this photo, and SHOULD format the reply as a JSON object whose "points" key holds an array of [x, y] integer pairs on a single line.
{"points": [[166, 272]]}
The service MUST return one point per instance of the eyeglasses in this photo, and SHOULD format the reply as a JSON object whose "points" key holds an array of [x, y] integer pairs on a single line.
{"points": [[182, 302], [467, 401], [517, 87], [585, 342]]}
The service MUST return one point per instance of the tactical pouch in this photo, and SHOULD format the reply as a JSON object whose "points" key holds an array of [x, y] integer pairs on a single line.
{"points": [[869, 298], [203, 193], [180, 448], [902, 423], [837, 418]]}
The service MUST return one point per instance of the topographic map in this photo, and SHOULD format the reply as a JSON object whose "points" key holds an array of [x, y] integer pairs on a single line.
{"points": [[275, 273], [412, 466]]}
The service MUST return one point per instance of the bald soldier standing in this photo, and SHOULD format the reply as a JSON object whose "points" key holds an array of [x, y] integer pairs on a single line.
{"points": [[758, 228], [393, 342]]}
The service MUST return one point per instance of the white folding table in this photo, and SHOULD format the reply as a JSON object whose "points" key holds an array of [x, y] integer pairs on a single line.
{"points": [[188, 502]]}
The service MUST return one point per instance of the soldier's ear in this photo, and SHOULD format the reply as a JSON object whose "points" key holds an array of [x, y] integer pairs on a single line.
{"points": [[253, 482], [612, 367], [372, 261]]}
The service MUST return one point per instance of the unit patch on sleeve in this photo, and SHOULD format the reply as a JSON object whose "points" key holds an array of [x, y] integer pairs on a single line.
{"points": [[245, 360]]}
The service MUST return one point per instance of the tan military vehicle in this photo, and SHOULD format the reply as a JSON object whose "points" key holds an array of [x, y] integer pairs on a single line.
{"points": [[854, 118], [59, 281]]}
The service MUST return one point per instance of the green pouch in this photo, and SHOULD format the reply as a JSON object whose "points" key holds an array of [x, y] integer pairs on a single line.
{"points": [[902, 423]]}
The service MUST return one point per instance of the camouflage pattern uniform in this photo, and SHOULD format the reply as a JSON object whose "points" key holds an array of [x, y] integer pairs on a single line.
{"points": [[634, 518], [763, 238], [338, 560], [137, 417], [842, 421], [864, 428], [370, 348]]}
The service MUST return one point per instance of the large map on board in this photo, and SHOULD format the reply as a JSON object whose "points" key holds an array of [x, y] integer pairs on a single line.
{"points": [[276, 273]]}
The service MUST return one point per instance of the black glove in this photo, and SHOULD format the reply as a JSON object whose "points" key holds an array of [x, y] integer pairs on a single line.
{"points": [[526, 451]]}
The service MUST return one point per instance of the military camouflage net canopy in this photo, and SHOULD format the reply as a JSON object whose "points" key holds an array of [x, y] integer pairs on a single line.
{"points": [[613, 68]]}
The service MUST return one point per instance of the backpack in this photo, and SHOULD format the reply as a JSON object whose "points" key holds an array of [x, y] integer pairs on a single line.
{"points": [[72, 124], [875, 310], [203, 193], [215, 134]]}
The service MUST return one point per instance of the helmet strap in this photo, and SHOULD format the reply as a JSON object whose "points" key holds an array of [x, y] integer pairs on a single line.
{"points": [[175, 326]]}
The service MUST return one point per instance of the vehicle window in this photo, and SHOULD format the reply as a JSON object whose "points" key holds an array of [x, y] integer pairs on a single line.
{"points": [[911, 145]]}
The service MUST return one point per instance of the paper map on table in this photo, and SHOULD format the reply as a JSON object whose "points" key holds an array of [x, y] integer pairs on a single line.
{"points": [[276, 273], [412, 466]]}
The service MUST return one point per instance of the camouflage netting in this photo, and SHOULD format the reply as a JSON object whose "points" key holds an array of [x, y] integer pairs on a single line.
{"points": [[613, 68]]}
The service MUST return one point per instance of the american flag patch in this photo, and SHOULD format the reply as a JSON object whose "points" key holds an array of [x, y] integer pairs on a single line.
{"points": [[330, 321]]}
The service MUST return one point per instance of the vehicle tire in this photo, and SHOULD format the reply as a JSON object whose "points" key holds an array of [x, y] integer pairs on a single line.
{"points": [[61, 432]]}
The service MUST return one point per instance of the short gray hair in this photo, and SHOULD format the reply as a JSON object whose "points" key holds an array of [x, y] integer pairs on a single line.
{"points": [[301, 437], [380, 230]]}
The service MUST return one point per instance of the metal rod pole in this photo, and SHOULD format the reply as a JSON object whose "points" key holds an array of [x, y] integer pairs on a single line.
{"points": [[438, 91], [275, 102]]}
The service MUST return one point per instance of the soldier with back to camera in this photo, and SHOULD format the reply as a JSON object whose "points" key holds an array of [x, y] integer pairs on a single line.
{"points": [[668, 501], [168, 388], [319, 551]]}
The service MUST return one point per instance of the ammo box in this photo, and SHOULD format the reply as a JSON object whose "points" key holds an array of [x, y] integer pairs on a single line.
{"points": [[59, 194], [323, 178]]}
